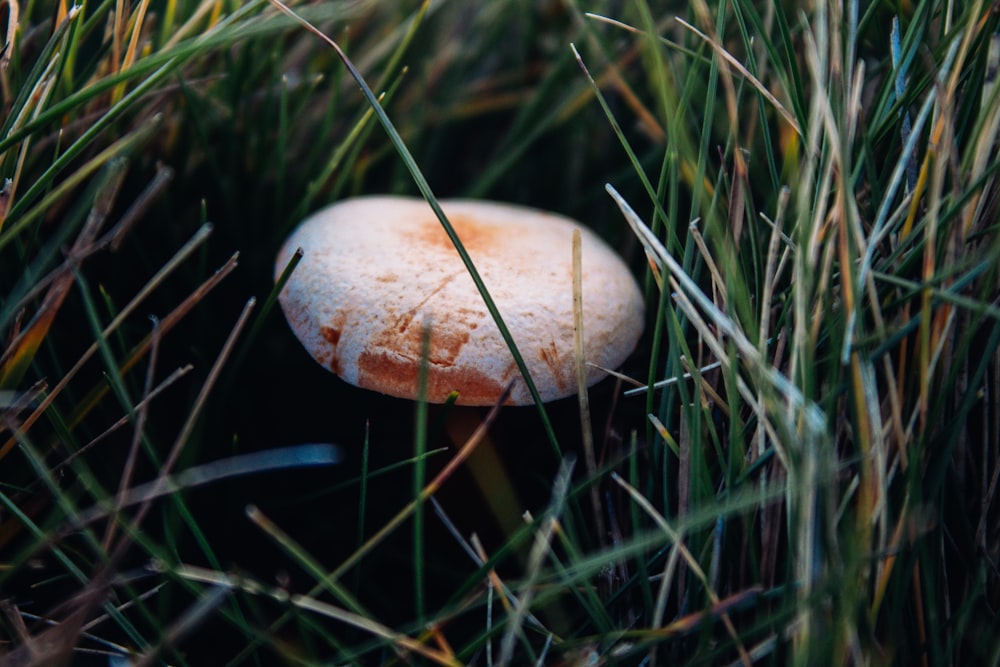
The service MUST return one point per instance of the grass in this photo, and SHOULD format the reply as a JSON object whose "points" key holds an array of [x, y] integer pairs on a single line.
{"points": [[806, 474]]}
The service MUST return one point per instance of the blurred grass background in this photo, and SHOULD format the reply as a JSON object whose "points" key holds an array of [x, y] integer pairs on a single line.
{"points": [[821, 178]]}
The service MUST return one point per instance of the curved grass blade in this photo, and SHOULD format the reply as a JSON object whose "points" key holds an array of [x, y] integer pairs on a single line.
{"points": [[428, 194]]}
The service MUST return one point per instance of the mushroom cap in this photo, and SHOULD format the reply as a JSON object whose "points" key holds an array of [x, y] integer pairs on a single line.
{"points": [[376, 269]]}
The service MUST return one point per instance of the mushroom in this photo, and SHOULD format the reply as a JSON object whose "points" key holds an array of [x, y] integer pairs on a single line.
{"points": [[377, 269]]}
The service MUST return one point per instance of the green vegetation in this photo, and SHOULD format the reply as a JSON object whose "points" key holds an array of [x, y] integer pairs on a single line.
{"points": [[806, 473]]}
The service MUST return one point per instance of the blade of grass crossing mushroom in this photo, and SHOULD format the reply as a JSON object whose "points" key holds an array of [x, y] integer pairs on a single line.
{"points": [[586, 428], [668, 180], [428, 194], [419, 472]]}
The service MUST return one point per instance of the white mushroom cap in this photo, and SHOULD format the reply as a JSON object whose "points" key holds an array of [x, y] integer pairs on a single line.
{"points": [[375, 269]]}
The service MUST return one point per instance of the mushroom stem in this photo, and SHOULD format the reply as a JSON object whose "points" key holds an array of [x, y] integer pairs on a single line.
{"points": [[487, 470]]}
